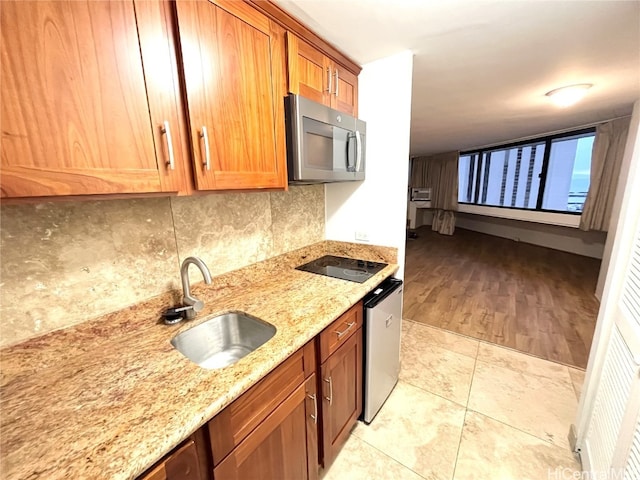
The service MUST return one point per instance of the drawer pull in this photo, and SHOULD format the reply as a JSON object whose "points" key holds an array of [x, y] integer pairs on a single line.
{"points": [[349, 326], [315, 408], [330, 397]]}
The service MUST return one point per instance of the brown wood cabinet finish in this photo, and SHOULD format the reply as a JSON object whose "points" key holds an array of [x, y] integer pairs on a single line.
{"points": [[307, 70], [182, 464], [271, 431], [341, 387], [291, 24], [275, 449], [94, 101], [336, 334], [313, 417], [230, 54], [157, 31], [316, 77], [75, 117], [235, 422], [345, 85]]}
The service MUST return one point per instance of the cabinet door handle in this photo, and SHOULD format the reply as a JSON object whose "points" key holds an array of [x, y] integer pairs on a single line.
{"points": [[315, 408], [340, 334], [207, 154], [330, 397], [166, 130], [337, 81], [329, 78]]}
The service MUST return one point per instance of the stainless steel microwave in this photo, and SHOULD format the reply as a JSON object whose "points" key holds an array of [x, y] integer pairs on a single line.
{"points": [[323, 144]]}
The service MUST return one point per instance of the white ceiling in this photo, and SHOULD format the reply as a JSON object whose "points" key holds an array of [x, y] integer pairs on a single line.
{"points": [[482, 67]]}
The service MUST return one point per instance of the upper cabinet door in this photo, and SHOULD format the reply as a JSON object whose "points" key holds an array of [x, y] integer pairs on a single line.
{"points": [[316, 77], [233, 95], [75, 117], [156, 30], [345, 91]]}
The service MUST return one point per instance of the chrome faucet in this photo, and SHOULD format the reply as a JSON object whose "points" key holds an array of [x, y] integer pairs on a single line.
{"points": [[193, 304]]}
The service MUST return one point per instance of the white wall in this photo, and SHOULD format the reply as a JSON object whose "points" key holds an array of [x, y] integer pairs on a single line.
{"points": [[566, 239], [634, 132], [376, 208], [535, 216]]}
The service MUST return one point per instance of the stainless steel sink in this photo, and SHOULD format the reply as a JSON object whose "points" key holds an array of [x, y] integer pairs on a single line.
{"points": [[223, 340]]}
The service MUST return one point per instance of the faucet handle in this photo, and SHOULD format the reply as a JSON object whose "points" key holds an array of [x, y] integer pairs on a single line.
{"points": [[192, 306], [197, 306]]}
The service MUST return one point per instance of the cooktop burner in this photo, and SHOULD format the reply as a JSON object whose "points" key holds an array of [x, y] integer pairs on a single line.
{"points": [[344, 268]]}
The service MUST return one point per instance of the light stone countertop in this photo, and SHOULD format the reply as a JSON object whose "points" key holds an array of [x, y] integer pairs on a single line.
{"points": [[108, 398]]}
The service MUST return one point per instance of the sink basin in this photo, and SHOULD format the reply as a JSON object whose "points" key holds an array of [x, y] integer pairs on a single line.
{"points": [[223, 340]]}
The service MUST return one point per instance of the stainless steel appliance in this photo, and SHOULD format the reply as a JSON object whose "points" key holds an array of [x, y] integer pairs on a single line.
{"points": [[382, 328], [344, 268], [323, 144]]}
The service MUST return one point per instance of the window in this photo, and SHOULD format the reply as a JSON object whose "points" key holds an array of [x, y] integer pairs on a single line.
{"points": [[550, 173]]}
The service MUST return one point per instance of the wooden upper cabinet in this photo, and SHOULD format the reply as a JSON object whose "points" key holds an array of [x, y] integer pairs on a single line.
{"points": [[316, 77], [74, 110], [232, 55], [308, 70], [345, 91], [156, 31]]}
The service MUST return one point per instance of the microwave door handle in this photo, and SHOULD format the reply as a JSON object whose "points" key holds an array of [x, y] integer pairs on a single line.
{"points": [[358, 151], [350, 135]]}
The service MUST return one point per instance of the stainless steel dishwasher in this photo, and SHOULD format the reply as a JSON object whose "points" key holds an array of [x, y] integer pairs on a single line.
{"points": [[382, 328]]}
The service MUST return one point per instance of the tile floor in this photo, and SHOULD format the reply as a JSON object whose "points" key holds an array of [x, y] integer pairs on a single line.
{"points": [[466, 410]]}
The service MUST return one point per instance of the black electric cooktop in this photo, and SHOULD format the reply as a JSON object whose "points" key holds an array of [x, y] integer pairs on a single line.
{"points": [[345, 268]]}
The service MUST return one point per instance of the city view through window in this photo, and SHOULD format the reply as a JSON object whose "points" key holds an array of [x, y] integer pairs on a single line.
{"points": [[550, 174]]}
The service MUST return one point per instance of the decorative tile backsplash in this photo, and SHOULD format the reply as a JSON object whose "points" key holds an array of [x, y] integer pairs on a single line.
{"points": [[65, 263]]}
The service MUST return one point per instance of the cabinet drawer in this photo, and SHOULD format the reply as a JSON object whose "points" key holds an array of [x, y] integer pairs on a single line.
{"points": [[235, 422], [332, 337]]}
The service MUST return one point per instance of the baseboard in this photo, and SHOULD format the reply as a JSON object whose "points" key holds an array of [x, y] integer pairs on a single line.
{"points": [[572, 437]]}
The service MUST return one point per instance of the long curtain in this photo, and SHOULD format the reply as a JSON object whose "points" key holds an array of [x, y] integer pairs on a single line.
{"points": [[606, 159], [440, 173]]}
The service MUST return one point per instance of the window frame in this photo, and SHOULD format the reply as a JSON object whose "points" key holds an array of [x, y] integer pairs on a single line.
{"points": [[547, 140]]}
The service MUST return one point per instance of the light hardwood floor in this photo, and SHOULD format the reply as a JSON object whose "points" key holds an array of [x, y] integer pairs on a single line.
{"points": [[533, 299]]}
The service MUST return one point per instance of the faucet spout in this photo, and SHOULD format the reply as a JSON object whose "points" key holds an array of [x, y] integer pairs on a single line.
{"points": [[187, 299]]}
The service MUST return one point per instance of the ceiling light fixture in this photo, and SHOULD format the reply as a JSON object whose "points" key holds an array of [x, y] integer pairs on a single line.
{"points": [[566, 96]]}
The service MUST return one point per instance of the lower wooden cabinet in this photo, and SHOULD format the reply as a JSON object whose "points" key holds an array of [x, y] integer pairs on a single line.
{"points": [[341, 386], [271, 430], [312, 427], [186, 462], [277, 448]]}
